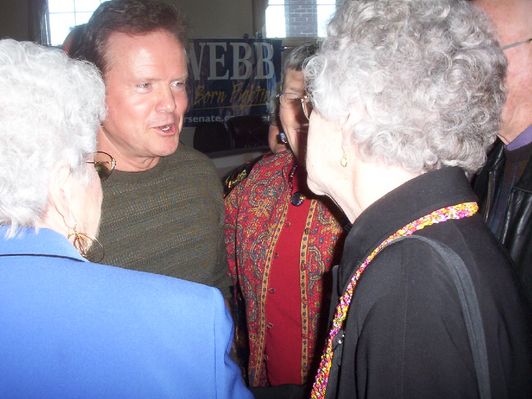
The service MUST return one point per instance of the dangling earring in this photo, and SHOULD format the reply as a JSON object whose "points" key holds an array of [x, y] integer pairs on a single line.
{"points": [[282, 137], [88, 247], [343, 161]]}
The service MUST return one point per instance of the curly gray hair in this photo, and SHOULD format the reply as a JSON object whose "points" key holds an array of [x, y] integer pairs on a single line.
{"points": [[50, 110], [426, 77]]}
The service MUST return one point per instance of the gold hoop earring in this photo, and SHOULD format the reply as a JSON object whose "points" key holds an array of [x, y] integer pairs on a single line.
{"points": [[88, 247], [343, 161]]}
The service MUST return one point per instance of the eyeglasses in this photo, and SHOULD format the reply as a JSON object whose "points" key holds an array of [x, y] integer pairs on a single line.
{"points": [[104, 164], [295, 103], [515, 44]]}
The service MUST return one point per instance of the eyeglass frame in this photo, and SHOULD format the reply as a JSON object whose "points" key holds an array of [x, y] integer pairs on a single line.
{"points": [[515, 44], [305, 101], [103, 163]]}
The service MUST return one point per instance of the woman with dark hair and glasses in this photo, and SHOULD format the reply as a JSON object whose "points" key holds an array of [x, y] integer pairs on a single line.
{"points": [[69, 327], [281, 242]]}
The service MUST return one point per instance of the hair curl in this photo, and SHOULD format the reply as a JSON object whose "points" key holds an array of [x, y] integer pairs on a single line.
{"points": [[426, 76], [133, 17], [50, 110]]}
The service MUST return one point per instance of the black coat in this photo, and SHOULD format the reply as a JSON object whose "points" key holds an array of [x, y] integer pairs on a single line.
{"points": [[405, 335], [516, 235]]}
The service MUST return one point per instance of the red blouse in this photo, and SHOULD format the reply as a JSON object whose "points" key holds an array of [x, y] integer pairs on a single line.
{"points": [[278, 254]]}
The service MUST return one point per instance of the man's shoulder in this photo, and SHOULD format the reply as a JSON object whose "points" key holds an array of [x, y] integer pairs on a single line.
{"points": [[153, 285]]}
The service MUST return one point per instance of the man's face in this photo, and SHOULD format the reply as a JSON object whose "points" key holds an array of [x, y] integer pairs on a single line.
{"points": [[511, 21], [146, 98]]}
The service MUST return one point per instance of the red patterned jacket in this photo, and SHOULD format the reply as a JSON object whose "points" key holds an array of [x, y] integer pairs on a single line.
{"points": [[255, 212]]}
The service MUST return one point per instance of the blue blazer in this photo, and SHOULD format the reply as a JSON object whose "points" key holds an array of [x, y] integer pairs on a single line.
{"points": [[74, 329]]}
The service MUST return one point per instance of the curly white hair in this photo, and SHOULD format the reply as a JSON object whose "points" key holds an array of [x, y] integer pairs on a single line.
{"points": [[50, 110], [425, 76]]}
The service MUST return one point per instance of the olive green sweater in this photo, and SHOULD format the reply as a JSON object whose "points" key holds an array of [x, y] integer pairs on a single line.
{"points": [[167, 220]]}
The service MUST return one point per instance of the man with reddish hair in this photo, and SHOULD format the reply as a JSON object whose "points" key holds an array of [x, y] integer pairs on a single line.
{"points": [[163, 208]]}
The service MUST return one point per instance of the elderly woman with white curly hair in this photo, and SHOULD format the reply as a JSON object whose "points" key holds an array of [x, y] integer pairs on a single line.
{"points": [[69, 327], [407, 97]]}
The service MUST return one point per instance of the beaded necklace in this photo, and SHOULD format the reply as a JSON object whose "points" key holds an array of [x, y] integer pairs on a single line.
{"points": [[458, 211]]}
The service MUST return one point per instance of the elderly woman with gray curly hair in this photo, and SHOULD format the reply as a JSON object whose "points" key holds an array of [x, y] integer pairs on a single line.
{"points": [[68, 327], [407, 98]]}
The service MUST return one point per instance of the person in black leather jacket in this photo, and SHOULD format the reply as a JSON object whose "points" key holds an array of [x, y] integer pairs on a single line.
{"points": [[515, 232], [504, 185]]}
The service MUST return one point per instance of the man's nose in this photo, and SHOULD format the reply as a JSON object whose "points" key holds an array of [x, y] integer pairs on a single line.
{"points": [[167, 101]]}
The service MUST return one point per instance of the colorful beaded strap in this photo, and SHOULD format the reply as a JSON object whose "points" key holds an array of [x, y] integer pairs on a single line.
{"points": [[458, 211]]}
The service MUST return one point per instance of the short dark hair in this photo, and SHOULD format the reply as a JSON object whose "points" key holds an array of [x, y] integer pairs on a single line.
{"points": [[297, 57], [73, 40], [130, 17]]}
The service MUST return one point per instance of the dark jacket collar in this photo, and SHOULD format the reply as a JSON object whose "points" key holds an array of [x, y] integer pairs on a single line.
{"points": [[410, 201]]}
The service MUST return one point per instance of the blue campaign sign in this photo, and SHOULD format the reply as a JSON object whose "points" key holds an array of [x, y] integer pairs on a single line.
{"points": [[231, 77]]}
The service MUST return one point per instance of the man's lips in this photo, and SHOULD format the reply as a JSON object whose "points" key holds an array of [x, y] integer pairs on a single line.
{"points": [[166, 129]]}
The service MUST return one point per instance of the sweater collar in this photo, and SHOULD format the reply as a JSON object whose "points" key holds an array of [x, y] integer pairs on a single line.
{"points": [[120, 176]]}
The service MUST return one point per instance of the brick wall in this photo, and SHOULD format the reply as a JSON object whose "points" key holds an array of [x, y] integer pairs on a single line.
{"points": [[301, 18]]}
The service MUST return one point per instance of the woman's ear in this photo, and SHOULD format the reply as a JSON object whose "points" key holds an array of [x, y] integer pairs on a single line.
{"points": [[347, 143], [356, 114], [60, 195]]}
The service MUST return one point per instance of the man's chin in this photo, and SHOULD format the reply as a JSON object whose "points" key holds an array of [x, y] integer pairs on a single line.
{"points": [[168, 152], [168, 147]]}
